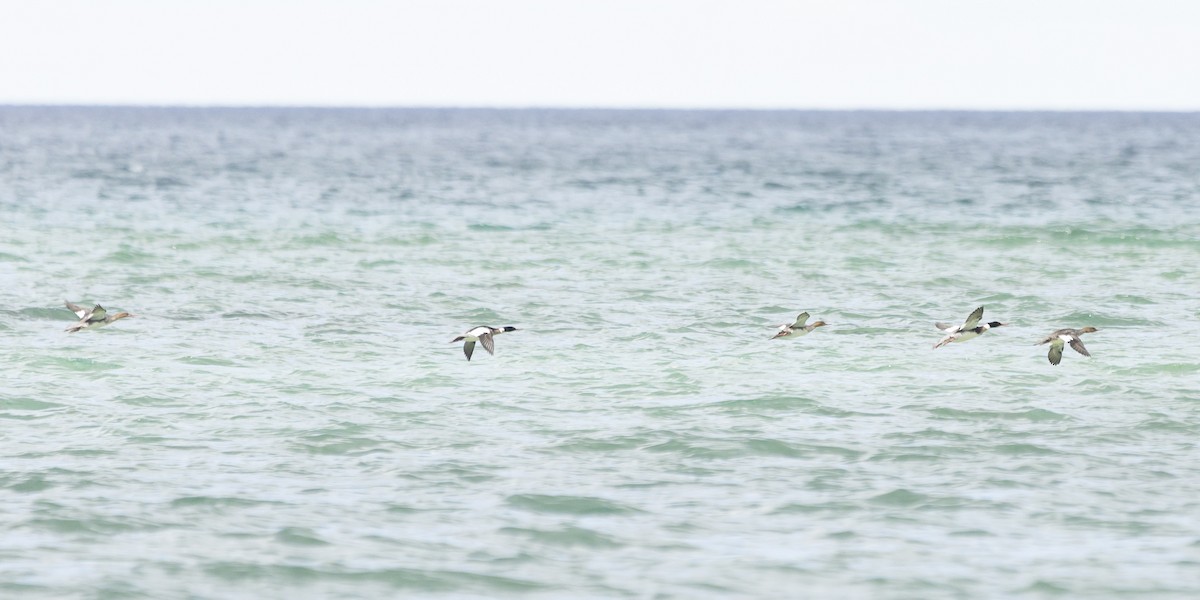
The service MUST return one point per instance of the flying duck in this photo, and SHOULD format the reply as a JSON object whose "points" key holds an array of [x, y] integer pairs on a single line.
{"points": [[968, 330], [797, 329], [95, 317], [1066, 336], [482, 334]]}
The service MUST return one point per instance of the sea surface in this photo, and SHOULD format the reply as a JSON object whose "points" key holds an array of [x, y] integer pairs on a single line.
{"points": [[286, 417]]}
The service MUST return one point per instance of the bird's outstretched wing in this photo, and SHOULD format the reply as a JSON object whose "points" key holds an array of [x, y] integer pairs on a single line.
{"points": [[77, 309], [974, 319], [1056, 350]]}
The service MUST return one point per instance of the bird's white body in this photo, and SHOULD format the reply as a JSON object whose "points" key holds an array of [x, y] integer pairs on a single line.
{"points": [[482, 334], [969, 330], [475, 333]]}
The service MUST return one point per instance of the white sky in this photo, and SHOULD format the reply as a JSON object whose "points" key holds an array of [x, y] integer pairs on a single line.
{"points": [[998, 54]]}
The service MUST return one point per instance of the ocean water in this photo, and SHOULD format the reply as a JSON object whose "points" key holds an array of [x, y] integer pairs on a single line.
{"points": [[286, 418]]}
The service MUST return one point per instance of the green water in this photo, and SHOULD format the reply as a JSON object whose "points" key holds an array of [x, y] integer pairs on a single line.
{"points": [[286, 416]]}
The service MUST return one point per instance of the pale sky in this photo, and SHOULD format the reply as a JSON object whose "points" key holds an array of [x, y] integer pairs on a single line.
{"points": [[850, 54]]}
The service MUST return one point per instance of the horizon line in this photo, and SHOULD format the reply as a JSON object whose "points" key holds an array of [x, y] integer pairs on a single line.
{"points": [[596, 108]]}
